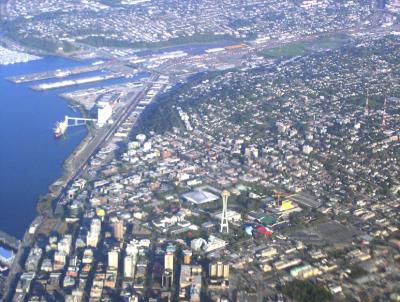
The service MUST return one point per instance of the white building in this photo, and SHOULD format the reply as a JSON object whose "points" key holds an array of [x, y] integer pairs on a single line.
{"points": [[94, 233], [212, 244], [147, 146], [199, 197], [64, 245], [104, 113], [307, 149], [129, 266], [113, 256]]}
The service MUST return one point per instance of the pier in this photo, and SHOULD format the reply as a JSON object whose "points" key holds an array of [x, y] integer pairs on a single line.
{"points": [[59, 73], [67, 83], [62, 126]]}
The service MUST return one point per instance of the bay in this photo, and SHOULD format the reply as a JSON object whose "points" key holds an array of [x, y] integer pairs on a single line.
{"points": [[30, 157]]}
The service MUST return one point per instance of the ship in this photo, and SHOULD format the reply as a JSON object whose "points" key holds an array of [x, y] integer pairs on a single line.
{"points": [[60, 128]]}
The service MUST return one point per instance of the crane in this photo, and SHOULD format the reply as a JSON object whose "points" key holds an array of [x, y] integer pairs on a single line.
{"points": [[278, 195]]}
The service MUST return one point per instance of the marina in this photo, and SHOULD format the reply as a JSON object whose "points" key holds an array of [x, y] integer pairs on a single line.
{"points": [[8, 56]]}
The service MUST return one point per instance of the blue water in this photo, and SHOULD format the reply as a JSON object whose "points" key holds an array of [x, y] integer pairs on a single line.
{"points": [[30, 158]]}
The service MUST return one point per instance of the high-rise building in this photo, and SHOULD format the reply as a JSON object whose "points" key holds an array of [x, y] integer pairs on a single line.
{"points": [[169, 261], [190, 282], [169, 265], [213, 270], [113, 257], [380, 4], [129, 266], [167, 279], [187, 256], [118, 229], [226, 271], [219, 270], [94, 233]]}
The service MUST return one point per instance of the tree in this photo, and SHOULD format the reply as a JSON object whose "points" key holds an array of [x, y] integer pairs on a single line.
{"points": [[305, 291], [44, 206]]}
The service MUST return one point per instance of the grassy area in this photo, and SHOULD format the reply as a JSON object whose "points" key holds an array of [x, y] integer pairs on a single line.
{"points": [[302, 48], [287, 50], [304, 291]]}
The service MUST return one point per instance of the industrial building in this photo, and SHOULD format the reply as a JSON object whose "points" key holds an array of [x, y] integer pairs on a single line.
{"points": [[104, 113]]}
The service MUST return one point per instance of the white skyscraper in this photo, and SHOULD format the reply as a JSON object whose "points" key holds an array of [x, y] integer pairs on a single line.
{"points": [[113, 259], [129, 266]]}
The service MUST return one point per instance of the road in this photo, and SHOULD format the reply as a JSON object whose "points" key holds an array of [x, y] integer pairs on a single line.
{"points": [[16, 268]]}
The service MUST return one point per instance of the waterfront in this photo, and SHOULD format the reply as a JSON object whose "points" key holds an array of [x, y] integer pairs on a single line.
{"points": [[30, 158]]}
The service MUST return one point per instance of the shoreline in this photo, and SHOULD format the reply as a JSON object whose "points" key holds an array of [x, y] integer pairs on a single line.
{"points": [[68, 173], [60, 184]]}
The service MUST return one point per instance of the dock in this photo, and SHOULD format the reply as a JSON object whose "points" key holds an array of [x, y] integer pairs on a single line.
{"points": [[59, 73], [67, 83]]}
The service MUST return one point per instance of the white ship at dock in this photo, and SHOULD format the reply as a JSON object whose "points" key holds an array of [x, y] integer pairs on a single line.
{"points": [[60, 128]]}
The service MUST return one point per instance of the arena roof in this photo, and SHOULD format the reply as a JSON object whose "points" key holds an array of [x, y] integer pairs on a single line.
{"points": [[199, 197]]}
